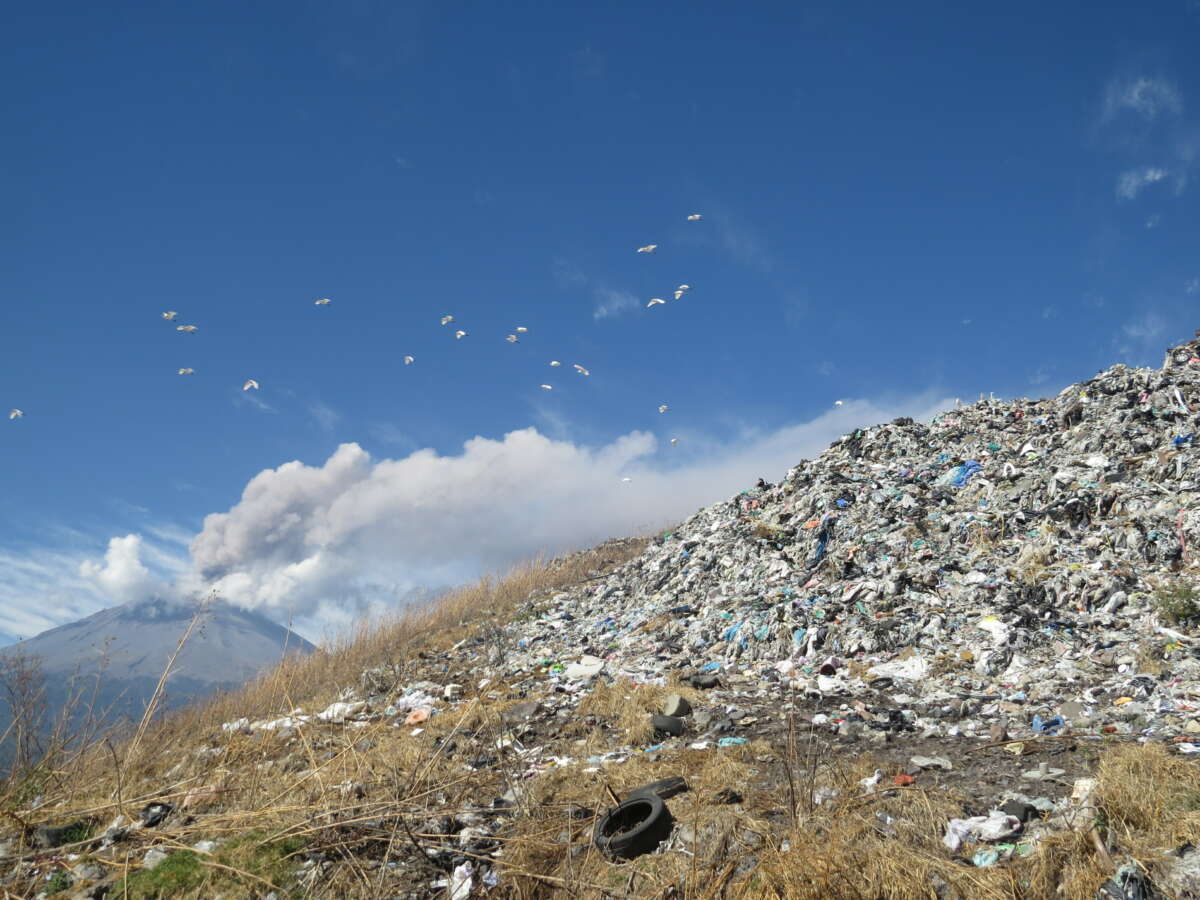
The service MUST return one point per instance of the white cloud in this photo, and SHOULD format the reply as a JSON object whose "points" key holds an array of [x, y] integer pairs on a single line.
{"points": [[390, 433], [1147, 97], [1139, 338], [355, 531], [325, 416], [1146, 328], [122, 577], [251, 398], [611, 303], [1131, 183], [47, 584], [743, 244]]}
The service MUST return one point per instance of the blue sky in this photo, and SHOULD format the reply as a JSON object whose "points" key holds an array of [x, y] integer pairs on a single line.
{"points": [[901, 205]]}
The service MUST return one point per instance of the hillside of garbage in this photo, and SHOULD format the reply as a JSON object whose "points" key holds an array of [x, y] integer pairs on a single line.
{"points": [[951, 659]]}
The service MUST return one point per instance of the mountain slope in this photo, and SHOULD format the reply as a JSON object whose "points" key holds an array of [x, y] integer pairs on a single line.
{"points": [[129, 647]]}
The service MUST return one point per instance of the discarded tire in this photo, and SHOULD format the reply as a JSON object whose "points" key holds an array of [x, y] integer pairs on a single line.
{"points": [[667, 725], [663, 788], [634, 827]]}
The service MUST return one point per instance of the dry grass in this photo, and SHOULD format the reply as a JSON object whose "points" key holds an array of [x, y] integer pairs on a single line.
{"points": [[629, 706], [365, 799]]}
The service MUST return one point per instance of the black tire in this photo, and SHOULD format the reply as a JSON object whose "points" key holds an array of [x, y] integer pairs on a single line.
{"points": [[634, 827], [663, 788], [669, 725]]}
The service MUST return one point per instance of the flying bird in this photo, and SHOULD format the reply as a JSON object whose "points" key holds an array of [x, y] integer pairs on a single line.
{"points": [[521, 329], [581, 370], [459, 335], [649, 248], [838, 402], [674, 441], [446, 320], [408, 360], [655, 301], [250, 383], [187, 371], [555, 362], [547, 387], [190, 329], [513, 339], [324, 301], [663, 408], [171, 314], [695, 217], [626, 479], [16, 413], [684, 287], [679, 295]]}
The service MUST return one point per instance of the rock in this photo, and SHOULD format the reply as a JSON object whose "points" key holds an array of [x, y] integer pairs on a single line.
{"points": [[676, 705], [153, 857], [520, 713], [932, 762]]}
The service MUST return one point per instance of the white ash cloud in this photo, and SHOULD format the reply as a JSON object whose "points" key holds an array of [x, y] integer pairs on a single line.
{"points": [[357, 532]]}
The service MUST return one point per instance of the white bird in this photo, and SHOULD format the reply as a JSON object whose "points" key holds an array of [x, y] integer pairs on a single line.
{"points": [[170, 315], [188, 328], [250, 383], [408, 360], [684, 287], [521, 329], [674, 441], [695, 217], [446, 320], [838, 402], [186, 371], [626, 479], [655, 301], [547, 387], [459, 335], [663, 408], [16, 414], [649, 248], [324, 301], [679, 295], [513, 339], [581, 370], [555, 362]]}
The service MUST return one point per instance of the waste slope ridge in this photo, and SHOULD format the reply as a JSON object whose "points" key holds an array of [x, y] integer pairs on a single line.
{"points": [[998, 529]]}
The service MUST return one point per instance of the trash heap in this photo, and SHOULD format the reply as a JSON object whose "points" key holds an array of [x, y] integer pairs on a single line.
{"points": [[1012, 564]]}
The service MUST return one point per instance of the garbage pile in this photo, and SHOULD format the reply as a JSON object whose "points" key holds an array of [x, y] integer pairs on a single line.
{"points": [[1012, 565]]}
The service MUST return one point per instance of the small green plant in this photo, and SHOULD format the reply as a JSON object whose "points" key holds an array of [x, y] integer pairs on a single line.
{"points": [[177, 873], [247, 854], [1177, 601], [58, 882]]}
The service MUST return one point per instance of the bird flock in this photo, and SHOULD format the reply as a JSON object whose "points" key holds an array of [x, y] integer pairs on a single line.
{"points": [[513, 337]]}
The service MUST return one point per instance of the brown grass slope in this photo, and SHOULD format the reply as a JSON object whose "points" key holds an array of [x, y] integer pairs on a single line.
{"points": [[340, 812]]}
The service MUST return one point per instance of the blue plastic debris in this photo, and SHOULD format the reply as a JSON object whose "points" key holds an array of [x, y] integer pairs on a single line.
{"points": [[965, 472], [1047, 726], [710, 667], [731, 742]]}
